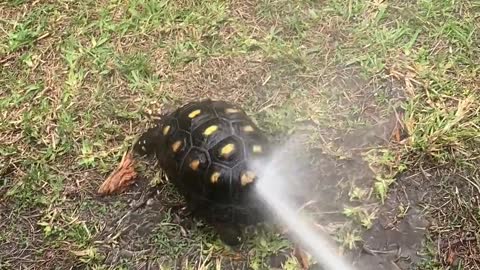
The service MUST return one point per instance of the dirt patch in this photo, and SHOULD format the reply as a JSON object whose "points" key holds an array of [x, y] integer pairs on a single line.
{"points": [[452, 203], [397, 237], [419, 205]]}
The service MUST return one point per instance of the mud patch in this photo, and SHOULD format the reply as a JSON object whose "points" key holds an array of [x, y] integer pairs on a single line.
{"points": [[452, 204], [396, 236], [424, 203]]}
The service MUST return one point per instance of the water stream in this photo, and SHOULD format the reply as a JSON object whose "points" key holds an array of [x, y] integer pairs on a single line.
{"points": [[278, 182]]}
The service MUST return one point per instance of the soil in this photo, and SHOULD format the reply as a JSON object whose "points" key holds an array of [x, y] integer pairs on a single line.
{"points": [[395, 238], [394, 242]]}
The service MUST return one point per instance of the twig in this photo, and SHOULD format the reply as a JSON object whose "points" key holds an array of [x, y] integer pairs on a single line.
{"points": [[458, 241]]}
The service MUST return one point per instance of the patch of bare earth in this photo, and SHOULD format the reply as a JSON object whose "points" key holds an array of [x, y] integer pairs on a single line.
{"points": [[396, 235], [454, 230]]}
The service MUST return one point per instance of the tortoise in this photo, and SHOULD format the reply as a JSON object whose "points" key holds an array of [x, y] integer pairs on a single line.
{"points": [[206, 149]]}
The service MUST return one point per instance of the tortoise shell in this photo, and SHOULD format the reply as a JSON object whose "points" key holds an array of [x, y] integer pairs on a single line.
{"points": [[206, 149]]}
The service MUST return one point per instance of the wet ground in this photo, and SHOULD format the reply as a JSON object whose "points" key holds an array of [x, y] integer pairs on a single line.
{"points": [[396, 237]]}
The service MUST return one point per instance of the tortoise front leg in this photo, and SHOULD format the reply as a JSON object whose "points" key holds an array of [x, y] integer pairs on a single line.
{"points": [[230, 234]]}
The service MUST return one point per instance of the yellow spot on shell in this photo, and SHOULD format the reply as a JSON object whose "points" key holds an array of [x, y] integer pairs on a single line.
{"points": [[166, 129], [214, 178], [227, 150], [210, 130], [248, 128], [176, 146], [247, 178], [231, 110], [257, 148], [194, 114], [194, 164]]}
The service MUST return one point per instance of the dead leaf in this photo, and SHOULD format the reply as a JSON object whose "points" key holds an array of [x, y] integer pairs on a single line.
{"points": [[396, 133], [302, 257], [450, 257], [123, 176]]}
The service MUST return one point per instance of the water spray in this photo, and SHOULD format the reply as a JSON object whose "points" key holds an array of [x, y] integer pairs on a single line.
{"points": [[277, 183]]}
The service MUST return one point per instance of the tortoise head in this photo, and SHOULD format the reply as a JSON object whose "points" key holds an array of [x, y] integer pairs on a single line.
{"points": [[148, 141]]}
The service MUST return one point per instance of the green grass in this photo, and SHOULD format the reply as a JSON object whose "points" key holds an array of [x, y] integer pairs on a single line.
{"points": [[78, 77]]}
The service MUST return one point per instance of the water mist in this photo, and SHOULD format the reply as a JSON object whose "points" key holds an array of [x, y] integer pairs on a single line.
{"points": [[279, 182]]}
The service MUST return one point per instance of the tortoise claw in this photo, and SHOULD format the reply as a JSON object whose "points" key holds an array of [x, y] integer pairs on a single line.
{"points": [[185, 212], [229, 234]]}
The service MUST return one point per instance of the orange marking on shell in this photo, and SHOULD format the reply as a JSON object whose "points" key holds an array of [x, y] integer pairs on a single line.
{"points": [[232, 110], [214, 178], [257, 148], [166, 129], [176, 146], [248, 128], [194, 164], [247, 178]]}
